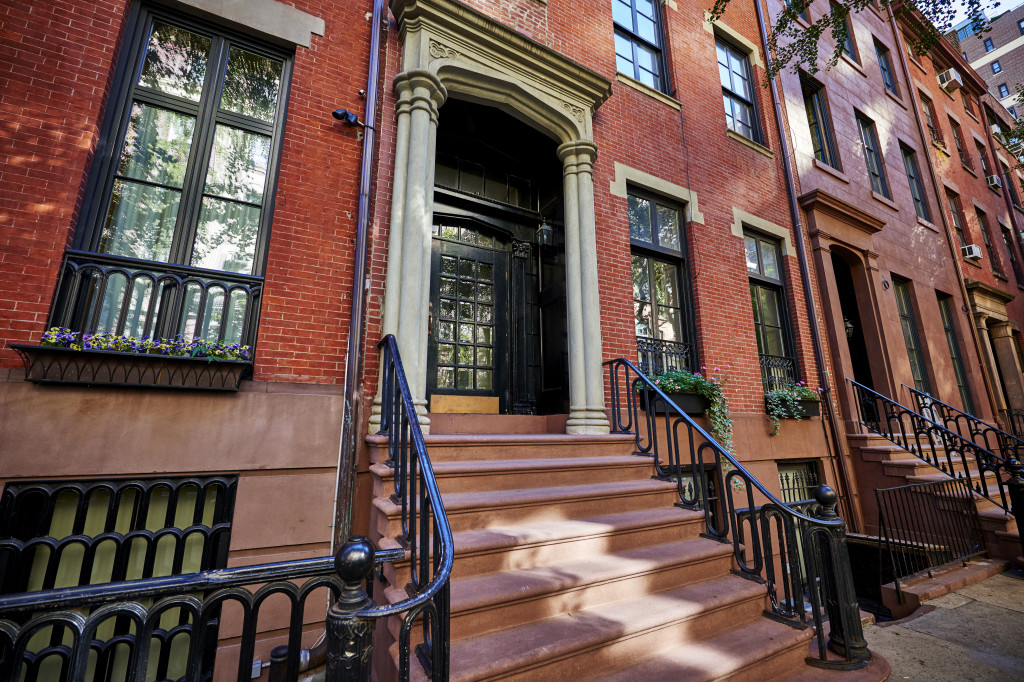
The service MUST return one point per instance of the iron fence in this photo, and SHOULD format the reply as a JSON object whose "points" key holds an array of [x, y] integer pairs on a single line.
{"points": [[928, 525], [657, 356], [792, 553], [967, 426]]}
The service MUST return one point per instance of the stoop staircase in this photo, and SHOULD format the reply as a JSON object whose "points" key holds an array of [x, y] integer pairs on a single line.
{"points": [[572, 563]]}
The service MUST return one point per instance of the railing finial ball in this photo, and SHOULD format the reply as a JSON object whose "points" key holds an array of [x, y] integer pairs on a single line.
{"points": [[354, 561], [828, 499]]}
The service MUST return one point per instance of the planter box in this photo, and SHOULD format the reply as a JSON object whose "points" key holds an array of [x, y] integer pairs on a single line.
{"points": [[692, 404], [808, 408], [53, 365]]}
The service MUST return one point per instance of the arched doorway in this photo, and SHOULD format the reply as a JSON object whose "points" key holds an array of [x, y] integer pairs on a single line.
{"points": [[853, 325]]}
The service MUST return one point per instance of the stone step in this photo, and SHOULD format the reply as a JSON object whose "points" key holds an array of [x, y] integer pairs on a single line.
{"points": [[466, 447], [493, 509], [450, 424], [582, 643], [516, 474]]}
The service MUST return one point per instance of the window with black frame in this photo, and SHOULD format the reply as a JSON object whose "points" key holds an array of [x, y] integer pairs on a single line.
{"points": [[873, 155], [662, 310], [819, 122], [185, 188], [885, 66], [914, 178], [738, 91], [638, 41], [908, 322], [771, 312], [946, 313]]}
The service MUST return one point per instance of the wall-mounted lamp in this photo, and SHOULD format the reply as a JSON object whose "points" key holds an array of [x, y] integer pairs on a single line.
{"points": [[848, 326], [349, 118], [545, 235]]}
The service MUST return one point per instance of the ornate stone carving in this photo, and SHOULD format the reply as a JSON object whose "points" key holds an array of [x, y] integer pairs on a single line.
{"points": [[440, 51], [574, 111], [520, 249]]}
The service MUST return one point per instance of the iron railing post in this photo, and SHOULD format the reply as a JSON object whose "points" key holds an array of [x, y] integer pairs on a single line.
{"points": [[1015, 487], [350, 637], [846, 635]]}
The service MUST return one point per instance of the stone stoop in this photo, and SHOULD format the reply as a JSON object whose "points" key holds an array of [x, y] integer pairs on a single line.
{"points": [[572, 563], [1002, 537]]}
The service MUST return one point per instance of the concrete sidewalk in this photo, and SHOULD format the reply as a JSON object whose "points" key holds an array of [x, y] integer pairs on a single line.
{"points": [[973, 634]]}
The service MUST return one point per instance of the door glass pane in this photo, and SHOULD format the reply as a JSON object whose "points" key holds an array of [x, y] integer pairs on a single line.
{"points": [[446, 309], [445, 377], [156, 146], [639, 218], [447, 286], [484, 379], [445, 353], [485, 293], [251, 84], [484, 357], [226, 236], [668, 227], [238, 165], [140, 221], [465, 355], [485, 334], [465, 378], [446, 331], [485, 272], [448, 265], [175, 61]]}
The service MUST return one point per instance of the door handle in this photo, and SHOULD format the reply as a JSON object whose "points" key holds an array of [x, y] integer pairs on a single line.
{"points": [[430, 318]]}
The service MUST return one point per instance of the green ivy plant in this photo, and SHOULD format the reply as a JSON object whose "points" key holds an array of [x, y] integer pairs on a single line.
{"points": [[784, 403], [708, 385]]}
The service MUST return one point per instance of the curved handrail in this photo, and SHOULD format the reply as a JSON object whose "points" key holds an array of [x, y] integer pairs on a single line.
{"points": [[1010, 446], [935, 437], [810, 557]]}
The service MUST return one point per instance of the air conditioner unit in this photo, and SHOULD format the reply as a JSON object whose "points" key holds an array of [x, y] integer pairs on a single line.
{"points": [[971, 252], [994, 181], [951, 80], [995, 129]]}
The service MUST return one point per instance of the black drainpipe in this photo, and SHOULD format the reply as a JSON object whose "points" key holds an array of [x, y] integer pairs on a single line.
{"points": [[345, 485], [829, 412]]}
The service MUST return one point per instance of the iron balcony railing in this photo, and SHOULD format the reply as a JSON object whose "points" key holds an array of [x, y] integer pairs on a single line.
{"points": [[657, 356], [947, 451], [925, 526], [979, 432], [1014, 420], [61, 635], [777, 372], [120, 295], [794, 554]]}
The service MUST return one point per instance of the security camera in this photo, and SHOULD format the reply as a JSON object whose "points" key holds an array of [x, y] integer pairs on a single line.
{"points": [[347, 117]]}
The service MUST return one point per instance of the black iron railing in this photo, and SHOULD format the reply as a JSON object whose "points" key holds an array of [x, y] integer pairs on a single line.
{"points": [[1014, 421], [798, 486], [777, 372], [947, 451], [794, 554], [927, 526], [979, 432], [657, 356], [49, 635], [120, 295]]}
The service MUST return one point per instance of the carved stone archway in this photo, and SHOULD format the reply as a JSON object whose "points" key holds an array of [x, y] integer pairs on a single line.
{"points": [[450, 49]]}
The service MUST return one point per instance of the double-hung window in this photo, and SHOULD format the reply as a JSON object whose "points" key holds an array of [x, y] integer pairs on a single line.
{"points": [[638, 41], [885, 65], [983, 158], [185, 187], [662, 309], [1004, 91], [996, 67], [908, 322], [968, 103], [771, 313], [819, 122], [961, 148], [946, 313], [1011, 252], [929, 118], [914, 178], [956, 209], [1008, 183], [848, 45], [873, 155], [738, 91], [988, 45], [986, 236]]}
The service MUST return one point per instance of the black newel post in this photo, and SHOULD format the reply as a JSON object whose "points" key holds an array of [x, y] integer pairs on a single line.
{"points": [[1015, 486], [846, 636], [350, 638]]}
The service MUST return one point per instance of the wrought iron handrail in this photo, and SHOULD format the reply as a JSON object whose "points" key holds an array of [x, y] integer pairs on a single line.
{"points": [[933, 443], [124, 295], [811, 557], [928, 525], [1014, 419], [1008, 445]]}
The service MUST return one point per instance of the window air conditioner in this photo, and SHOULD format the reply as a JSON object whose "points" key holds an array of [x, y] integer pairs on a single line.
{"points": [[951, 80], [994, 181], [971, 252]]}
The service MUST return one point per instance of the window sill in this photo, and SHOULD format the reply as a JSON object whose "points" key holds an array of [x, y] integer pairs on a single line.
{"points": [[881, 199], [916, 63], [968, 169], [995, 190], [834, 172], [972, 263], [1001, 276], [971, 114], [756, 146], [854, 63], [941, 147], [894, 97], [648, 90], [926, 223]]}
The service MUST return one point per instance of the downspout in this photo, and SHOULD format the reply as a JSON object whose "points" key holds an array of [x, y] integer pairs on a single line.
{"points": [[939, 194], [853, 520], [345, 482]]}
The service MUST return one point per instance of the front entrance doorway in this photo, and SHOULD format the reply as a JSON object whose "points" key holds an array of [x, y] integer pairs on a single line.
{"points": [[497, 320]]}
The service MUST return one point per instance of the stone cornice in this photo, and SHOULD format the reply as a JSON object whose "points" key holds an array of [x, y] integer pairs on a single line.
{"points": [[823, 202], [974, 287]]}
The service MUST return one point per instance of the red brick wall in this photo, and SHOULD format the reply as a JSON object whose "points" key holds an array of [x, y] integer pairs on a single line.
{"points": [[56, 62]]}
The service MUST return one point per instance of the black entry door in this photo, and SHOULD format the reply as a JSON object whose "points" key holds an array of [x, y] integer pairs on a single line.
{"points": [[468, 350]]}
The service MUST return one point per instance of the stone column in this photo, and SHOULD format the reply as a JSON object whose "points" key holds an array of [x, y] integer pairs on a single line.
{"points": [[988, 360], [407, 284], [1003, 342], [586, 374]]}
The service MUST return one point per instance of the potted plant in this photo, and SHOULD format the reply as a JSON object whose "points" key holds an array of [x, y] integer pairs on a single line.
{"points": [[697, 394], [68, 357], [794, 401]]}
